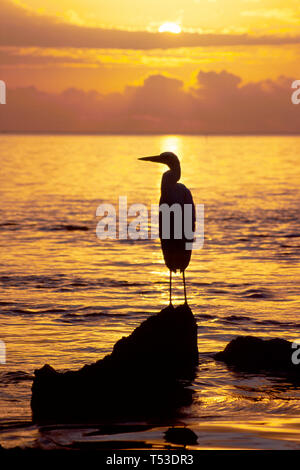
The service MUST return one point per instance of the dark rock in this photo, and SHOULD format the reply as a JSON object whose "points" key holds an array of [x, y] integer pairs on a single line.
{"points": [[248, 353], [146, 374], [181, 435]]}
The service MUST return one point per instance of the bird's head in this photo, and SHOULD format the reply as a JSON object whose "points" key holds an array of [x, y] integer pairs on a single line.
{"points": [[168, 158]]}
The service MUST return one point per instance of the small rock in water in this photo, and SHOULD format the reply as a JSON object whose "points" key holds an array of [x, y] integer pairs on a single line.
{"points": [[248, 353], [181, 435]]}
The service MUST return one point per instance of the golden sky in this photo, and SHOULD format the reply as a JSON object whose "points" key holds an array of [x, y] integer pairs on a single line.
{"points": [[254, 39], [111, 46], [264, 16]]}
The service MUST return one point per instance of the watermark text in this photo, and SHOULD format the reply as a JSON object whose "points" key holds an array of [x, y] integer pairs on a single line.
{"points": [[177, 222], [296, 94], [2, 352], [2, 92]]}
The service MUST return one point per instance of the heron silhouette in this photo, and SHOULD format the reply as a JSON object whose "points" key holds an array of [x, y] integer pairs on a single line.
{"points": [[175, 253]]}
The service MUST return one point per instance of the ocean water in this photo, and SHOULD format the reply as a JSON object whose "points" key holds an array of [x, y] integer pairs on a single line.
{"points": [[66, 297]]}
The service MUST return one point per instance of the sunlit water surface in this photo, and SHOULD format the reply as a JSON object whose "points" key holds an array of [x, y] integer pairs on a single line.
{"points": [[66, 297]]}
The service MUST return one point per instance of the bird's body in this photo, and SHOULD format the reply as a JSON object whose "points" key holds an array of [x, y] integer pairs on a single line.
{"points": [[176, 217], [176, 255]]}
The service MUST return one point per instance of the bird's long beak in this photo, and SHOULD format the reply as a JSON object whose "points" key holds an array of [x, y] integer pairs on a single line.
{"points": [[154, 158]]}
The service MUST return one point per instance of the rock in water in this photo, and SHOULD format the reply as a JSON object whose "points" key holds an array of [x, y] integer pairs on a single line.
{"points": [[248, 353], [146, 374], [181, 435]]}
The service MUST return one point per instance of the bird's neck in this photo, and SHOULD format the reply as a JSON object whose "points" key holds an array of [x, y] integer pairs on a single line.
{"points": [[170, 178], [175, 171]]}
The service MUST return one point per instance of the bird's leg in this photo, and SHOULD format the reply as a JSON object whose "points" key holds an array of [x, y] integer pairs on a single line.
{"points": [[170, 290], [184, 287]]}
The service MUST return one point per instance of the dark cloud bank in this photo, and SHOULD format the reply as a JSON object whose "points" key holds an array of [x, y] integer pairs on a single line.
{"points": [[219, 104]]}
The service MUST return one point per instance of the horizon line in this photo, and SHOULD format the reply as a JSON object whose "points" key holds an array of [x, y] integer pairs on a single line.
{"points": [[145, 134]]}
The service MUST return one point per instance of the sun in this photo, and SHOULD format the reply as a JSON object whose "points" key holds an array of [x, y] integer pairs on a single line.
{"points": [[170, 28]]}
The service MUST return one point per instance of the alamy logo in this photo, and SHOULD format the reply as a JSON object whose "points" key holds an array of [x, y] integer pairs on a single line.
{"points": [[2, 92], [176, 222], [2, 352], [296, 354], [296, 94]]}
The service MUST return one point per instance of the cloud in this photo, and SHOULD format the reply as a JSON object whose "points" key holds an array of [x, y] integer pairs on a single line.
{"points": [[14, 57], [218, 104], [283, 14], [24, 28]]}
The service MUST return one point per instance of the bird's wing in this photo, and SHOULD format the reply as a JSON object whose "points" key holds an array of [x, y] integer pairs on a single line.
{"points": [[188, 199], [180, 194]]}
